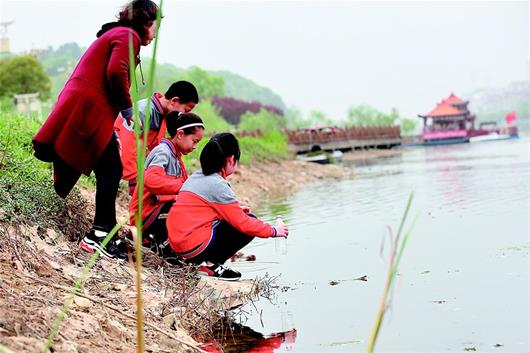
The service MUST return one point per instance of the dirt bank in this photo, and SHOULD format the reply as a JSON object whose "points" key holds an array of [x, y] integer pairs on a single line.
{"points": [[256, 184], [371, 153], [38, 268]]}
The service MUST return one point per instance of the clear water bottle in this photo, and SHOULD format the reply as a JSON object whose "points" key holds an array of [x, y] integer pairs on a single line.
{"points": [[280, 243]]}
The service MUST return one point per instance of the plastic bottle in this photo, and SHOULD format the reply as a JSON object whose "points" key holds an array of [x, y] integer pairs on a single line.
{"points": [[280, 243]]}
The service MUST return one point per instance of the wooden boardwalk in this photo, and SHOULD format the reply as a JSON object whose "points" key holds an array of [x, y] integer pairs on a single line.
{"points": [[343, 139]]}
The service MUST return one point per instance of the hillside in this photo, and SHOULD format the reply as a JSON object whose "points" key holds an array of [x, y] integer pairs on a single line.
{"points": [[494, 103], [59, 62], [242, 88]]}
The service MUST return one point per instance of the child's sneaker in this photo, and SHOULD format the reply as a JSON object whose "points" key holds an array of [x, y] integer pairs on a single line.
{"points": [[220, 272], [115, 248]]}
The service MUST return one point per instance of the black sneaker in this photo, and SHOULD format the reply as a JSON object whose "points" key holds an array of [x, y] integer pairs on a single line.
{"points": [[220, 272], [115, 249], [147, 240]]}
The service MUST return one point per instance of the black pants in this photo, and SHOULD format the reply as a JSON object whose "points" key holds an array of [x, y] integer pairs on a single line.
{"points": [[108, 171], [157, 231], [226, 241]]}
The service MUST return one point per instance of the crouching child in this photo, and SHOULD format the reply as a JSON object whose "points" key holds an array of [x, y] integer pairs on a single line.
{"points": [[206, 224], [163, 178]]}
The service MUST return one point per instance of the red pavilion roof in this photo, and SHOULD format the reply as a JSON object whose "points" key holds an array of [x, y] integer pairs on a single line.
{"points": [[452, 99], [444, 109]]}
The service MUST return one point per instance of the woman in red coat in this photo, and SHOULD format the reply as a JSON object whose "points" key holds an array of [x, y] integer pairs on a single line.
{"points": [[78, 136]]}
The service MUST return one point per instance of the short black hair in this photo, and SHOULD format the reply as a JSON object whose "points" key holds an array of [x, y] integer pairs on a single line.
{"points": [[184, 90], [175, 120], [215, 152]]}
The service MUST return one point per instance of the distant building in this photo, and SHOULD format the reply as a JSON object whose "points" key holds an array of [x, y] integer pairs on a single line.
{"points": [[449, 120], [27, 103], [4, 39]]}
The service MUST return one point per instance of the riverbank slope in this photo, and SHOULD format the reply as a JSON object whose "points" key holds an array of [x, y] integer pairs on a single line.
{"points": [[38, 267]]}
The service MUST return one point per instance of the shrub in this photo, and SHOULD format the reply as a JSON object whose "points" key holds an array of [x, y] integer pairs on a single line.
{"points": [[232, 109], [26, 189], [263, 120]]}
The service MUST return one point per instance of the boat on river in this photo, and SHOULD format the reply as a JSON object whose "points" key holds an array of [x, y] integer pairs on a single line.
{"points": [[322, 157], [451, 122]]}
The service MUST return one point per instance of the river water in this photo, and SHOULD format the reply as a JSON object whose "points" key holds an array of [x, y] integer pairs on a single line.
{"points": [[463, 282]]}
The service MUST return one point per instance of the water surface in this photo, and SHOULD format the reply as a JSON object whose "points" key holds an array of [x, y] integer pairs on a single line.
{"points": [[464, 278]]}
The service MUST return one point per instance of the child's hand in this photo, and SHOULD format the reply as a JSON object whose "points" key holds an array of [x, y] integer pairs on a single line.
{"points": [[246, 209], [281, 228], [281, 231]]}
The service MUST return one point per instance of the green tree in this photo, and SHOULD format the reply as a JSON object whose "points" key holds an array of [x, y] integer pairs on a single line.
{"points": [[294, 119], [262, 120], [211, 117], [408, 126], [366, 115], [207, 85], [23, 74], [319, 118]]}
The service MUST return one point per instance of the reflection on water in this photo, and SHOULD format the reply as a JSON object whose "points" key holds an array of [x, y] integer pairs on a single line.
{"points": [[463, 282], [238, 338]]}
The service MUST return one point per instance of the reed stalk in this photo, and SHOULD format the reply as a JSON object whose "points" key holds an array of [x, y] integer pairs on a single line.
{"points": [[4, 349], [396, 252], [141, 140]]}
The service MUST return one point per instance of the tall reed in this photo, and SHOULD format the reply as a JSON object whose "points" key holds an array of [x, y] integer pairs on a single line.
{"points": [[140, 160], [396, 252], [4, 349]]}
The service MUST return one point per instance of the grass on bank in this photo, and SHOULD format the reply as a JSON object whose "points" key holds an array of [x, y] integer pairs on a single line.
{"points": [[26, 184]]}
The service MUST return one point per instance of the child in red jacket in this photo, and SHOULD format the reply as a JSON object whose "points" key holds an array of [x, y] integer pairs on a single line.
{"points": [[206, 224], [181, 97], [164, 175]]}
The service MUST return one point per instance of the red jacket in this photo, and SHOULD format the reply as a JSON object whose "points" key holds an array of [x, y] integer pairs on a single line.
{"points": [[81, 123], [157, 130], [203, 201], [164, 175]]}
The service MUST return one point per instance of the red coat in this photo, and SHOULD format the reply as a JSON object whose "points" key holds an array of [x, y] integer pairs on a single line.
{"points": [[81, 123], [164, 175]]}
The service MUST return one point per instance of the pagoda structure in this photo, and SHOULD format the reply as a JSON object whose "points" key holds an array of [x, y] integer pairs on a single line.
{"points": [[449, 122]]}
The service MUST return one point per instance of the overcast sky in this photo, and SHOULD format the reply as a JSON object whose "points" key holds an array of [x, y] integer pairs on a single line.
{"points": [[317, 55]]}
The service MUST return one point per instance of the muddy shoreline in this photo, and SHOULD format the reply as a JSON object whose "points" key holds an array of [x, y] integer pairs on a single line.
{"points": [[39, 266]]}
